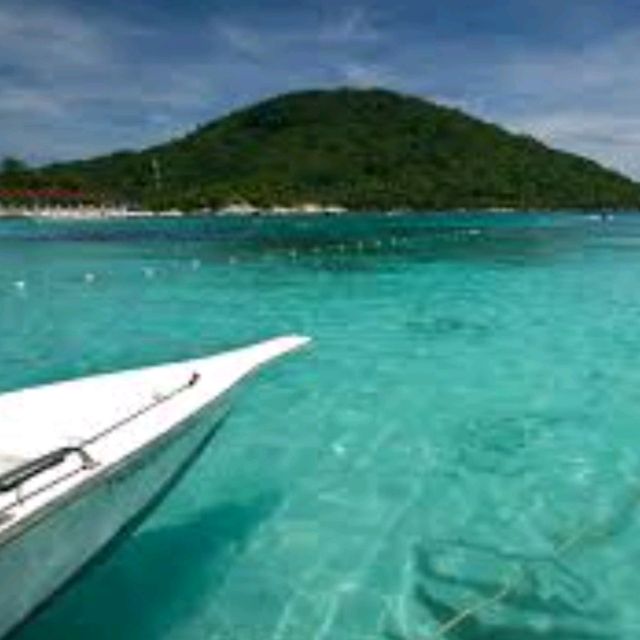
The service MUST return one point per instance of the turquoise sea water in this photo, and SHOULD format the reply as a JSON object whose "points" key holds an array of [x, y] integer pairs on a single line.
{"points": [[469, 414]]}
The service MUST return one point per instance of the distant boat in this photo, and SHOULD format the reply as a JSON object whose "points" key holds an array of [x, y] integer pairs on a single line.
{"points": [[79, 460]]}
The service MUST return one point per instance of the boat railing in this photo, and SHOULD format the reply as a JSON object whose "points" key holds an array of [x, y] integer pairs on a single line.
{"points": [[15, 478]]}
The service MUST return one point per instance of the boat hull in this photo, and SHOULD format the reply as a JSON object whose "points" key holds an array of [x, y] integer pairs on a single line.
{"points": [[50, 551]]}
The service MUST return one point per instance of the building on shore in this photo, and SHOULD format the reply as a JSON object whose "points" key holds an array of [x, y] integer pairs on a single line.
{"points": [[59, 203]]}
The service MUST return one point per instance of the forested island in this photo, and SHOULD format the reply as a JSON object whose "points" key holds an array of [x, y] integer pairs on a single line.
{"points": [[344, 148]]}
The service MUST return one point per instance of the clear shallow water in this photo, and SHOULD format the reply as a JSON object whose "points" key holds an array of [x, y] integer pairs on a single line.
{"points": [[472, 402]]}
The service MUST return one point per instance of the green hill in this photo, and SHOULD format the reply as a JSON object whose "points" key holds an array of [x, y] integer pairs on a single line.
{"points": [[358, 148]]}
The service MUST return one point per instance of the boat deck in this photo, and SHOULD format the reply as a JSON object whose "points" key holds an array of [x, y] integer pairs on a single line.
{"points": [[9, 463]]}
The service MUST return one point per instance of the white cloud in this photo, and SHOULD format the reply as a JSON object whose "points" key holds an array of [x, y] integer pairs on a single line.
{"points": [[600, 67], [613, 140], [21, 100], [355, 26], [351, 28], [46, 55], [74, 87], [584, 101], [364, 76], [41, 39], [242, 39]]}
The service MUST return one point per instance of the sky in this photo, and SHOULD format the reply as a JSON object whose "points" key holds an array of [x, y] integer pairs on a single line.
{"points": [[85, 77]]}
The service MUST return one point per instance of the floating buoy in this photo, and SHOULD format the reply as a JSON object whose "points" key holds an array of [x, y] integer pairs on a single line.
{"points": [[20, 285], [149, 272], [89, 278], [338, 449]]}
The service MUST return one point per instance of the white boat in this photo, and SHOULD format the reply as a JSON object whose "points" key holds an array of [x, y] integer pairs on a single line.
{"points": [[82, 459]]}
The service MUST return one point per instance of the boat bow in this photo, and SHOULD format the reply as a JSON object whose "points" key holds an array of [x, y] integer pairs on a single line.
{"points": [[90, 424]]}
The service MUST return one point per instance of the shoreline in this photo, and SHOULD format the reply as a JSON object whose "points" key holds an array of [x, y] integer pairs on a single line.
{"points": [[121, 213]]}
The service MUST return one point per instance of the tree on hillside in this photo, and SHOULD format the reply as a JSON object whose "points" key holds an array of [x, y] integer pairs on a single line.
{"points": [[13, 166]]}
